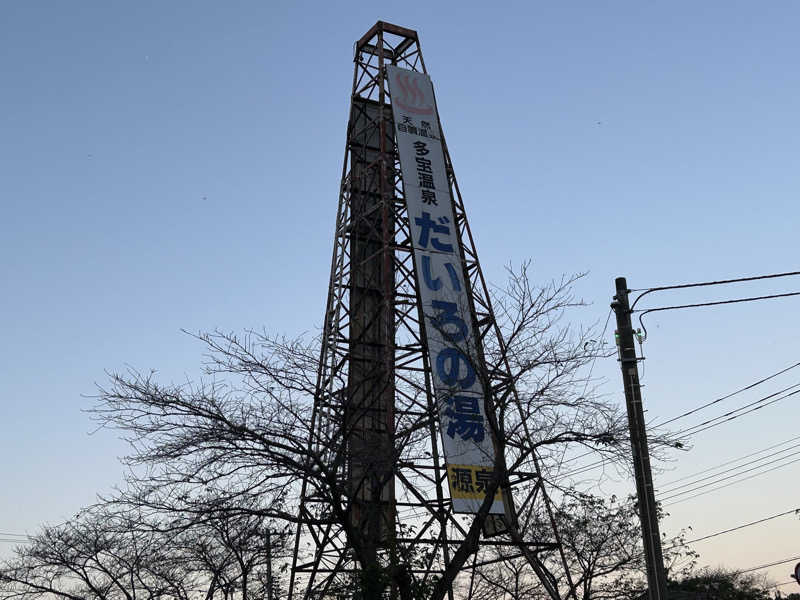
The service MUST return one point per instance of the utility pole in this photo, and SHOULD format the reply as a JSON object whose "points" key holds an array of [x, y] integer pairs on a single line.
{"points": [[656, 576], [269, 564]]}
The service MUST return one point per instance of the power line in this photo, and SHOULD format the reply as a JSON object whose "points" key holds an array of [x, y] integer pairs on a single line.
{"points": [[578, 471], [668, 490], [705, 425], [702, 304], [733, 460], [710, 423], [708, 283], [740, 390], [715, 303], [583, 468], [574, 458], [731, 483], [777, 585], [736, 416], [731, 415], [668, 495], [583, 394], [594, 359], [585, 386], [594, 465], [772, 564], [765, 519]]}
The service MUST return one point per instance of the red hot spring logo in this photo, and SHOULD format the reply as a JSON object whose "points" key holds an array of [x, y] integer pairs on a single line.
{"points": [[412, 99]]}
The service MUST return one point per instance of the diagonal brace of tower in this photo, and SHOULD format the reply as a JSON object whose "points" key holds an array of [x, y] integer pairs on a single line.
{"points": [[384, 520]]}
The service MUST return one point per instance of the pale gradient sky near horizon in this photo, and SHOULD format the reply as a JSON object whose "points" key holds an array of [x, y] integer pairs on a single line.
{"points": [[168, 166]]}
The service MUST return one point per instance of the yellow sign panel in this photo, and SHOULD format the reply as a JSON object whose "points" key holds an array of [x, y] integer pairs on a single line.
{"points": [[470, 482]]}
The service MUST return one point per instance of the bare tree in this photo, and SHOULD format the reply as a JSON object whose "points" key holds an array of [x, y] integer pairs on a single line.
{"points": [[116, 551], [720, 584], [238, 443], [602, 542], [99, 555]]}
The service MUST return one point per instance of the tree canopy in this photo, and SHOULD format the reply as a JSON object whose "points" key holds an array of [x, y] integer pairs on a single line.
{"points": [[719, 584]]}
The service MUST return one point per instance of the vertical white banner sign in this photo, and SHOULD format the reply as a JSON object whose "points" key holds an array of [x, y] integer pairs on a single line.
{"points": [[467, 440]]}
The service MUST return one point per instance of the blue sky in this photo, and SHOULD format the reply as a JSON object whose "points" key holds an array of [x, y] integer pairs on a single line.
{"points": [[169, 166]]}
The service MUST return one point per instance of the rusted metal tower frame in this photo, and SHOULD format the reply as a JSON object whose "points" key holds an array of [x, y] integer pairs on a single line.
{"points": [[373, 318]]}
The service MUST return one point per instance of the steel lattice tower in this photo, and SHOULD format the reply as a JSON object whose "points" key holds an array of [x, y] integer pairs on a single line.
{"points": [[375, 413]]}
